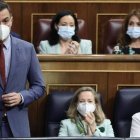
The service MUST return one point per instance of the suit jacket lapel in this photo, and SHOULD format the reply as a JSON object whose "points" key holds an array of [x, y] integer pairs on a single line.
{"points": [[1, 86], [14, 58]]}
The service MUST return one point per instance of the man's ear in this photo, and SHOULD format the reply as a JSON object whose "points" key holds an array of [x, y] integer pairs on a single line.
{"points": [[12, 18], [11, 22]]}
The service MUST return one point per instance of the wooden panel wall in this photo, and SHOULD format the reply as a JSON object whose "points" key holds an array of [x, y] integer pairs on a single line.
{"points": [[106, 73], [95, 13]]}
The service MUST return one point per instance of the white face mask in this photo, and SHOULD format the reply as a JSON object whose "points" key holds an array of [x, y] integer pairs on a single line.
{"points": [[133, 32], [4, 32], [66, 32], [85, 107]]}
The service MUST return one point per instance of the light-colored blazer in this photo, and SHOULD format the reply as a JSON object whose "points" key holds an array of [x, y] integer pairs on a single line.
{"points": [[45, 48], [69, 128], [135, 125], [24, 66]]}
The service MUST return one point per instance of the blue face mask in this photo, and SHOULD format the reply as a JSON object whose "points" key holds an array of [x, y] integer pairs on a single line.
{"points": [[66, 32], [133, 32]]}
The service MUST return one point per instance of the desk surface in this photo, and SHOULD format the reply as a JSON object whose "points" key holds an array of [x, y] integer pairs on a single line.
{"points": [[98, 63], [104, 58]]}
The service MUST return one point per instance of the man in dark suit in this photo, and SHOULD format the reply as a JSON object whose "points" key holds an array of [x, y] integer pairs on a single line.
{"points": [[21, 65]]}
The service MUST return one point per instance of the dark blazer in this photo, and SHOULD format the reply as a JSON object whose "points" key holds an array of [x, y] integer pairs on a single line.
{"points": [[24, 66]]}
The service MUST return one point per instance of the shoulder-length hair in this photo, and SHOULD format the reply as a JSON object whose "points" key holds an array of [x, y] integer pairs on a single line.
{"points": [[124, 39], [54, 37], [72, 112]]}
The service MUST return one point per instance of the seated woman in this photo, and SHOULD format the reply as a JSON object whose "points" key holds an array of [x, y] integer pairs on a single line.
{"points": [[86, 117], [135, 126], [129, 40], [64, 38]]}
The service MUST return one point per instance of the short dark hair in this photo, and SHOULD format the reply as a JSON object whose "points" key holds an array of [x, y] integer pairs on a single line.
{"points": [[4, 5], [54, 37]]}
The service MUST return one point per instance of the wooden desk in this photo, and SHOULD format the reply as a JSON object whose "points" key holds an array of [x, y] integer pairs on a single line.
{"points": [[106, 73]]}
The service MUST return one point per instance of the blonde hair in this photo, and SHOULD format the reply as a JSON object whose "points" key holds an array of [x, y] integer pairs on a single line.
{"points": [[72, 111]]}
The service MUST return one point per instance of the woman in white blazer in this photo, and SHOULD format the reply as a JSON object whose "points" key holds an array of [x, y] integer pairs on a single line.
{"points": [[85, 47], [86, 117], [135, 125], [64, 37]]}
